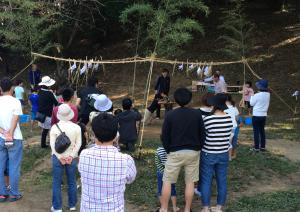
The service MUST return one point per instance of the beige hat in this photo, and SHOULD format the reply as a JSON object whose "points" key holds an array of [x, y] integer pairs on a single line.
{"points": [[65, 113]]}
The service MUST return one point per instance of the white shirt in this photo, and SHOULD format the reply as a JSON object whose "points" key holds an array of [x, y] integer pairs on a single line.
{"points": [[233, 112], [260, 103], [73, 131], [220, 87], [10, 106]]}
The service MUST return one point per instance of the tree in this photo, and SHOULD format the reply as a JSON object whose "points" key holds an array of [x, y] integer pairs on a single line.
{"points": [[237, 31], [27, 25], [165, 25]]}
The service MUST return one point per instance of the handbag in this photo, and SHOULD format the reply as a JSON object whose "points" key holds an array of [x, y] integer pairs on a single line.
{"points": [[62, 142], [40, 117]]}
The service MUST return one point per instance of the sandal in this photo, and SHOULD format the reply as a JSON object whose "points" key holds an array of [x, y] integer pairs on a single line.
{"points": [[3, 198], [14, 198]]}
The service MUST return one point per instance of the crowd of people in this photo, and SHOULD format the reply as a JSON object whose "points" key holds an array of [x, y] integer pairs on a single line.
{"points": [[87, 134]]}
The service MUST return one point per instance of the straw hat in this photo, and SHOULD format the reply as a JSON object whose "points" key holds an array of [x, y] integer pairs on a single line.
{"points": [[65, 113], [47, 81]]}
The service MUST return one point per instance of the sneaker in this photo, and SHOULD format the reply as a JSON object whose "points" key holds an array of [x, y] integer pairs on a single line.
{"points": [[254, 150], [73, 209], [53, 210], [198, 193], [263, 149]]}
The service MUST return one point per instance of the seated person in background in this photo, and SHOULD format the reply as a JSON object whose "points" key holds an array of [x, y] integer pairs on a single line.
{"points": [[104, 170], [102, 104], [160, 160], [220, 86], [127, 124], [68, 96]]}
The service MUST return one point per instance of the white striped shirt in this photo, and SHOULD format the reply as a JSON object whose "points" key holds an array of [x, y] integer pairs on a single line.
{"points": [[160, 159], [218, 130]]}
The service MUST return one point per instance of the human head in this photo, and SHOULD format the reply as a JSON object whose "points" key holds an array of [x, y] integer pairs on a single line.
{"points": [[6, 85], [262, 85], [34, 89], [248, 84], [19, 82], [103, 103], [216, 77], [204, 99], [105, 127], [127, 104], [183, 96], [65, 113], [67, 94], [34, 67], [93, 82], [117, 111], [47, 82], [218, 102], [218, 72], [165, 72], [230, 100]]}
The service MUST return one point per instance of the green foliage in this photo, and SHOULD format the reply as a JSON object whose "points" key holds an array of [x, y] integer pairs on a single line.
{"points": [[166, 26], [27, 25], [237, 31]]}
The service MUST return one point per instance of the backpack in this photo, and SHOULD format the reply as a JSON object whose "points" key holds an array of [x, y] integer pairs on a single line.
{"points": [[91, 99], [62, 142]]}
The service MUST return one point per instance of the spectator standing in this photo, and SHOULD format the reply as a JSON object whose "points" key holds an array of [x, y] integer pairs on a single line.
{"points": [[260, 102], [47, 101], [104, 170], [34, 76], [11, 142], [66, 160], [85, 109], [128, 124], [33, 101], [19, 91], [68, 97], [214, 155], [162, 88], [182, 138]]}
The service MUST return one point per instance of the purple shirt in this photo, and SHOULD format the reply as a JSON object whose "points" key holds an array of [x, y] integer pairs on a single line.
{"points": [[104, 174]]}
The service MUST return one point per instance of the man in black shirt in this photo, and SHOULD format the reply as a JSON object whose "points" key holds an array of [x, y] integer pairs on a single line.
{"points": [[162, 88], [182, 137], [85, 109]]}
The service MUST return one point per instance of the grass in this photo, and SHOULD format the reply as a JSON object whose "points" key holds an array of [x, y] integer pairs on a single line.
{"points": [[32, 156], [268, 202], [247, 167]]}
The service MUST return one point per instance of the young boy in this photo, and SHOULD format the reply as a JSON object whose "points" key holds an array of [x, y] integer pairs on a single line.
{"points": [[160, 160], [127, 124], [33, 101], [19, 91]]}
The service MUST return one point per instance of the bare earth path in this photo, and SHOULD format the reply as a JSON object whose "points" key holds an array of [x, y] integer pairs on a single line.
{"points": [[38, 198]]}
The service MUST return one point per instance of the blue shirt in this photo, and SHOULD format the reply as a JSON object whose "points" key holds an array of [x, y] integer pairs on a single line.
{"points": [[34, 99], [19, 92]]}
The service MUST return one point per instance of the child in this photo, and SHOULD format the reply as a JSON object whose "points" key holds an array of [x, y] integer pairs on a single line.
{"points": [[235, 137], [248, 92], [33, 101], [127, 124], [19, 91], [160, 160], [234, 113]]}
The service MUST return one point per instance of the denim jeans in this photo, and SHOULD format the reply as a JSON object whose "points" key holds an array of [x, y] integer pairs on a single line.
{"points": [[57, 173], [14, 155], [259, 123], [214, 164], [160, 184]]}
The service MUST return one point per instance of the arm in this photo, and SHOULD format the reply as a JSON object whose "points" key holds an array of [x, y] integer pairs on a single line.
{"points": [[157, 84], [168, 86], [78, 142], [131, 171], [138, 116], [202, 132], [253, 100], [166, 134]]}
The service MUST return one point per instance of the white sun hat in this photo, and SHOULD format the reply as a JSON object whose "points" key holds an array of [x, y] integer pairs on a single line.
{"points": [[102, 103], [47, 81], [65, 113]]}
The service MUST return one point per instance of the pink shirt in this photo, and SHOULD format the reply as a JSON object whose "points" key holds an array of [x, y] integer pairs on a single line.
{"points": [[248, 92], [54, 119]]}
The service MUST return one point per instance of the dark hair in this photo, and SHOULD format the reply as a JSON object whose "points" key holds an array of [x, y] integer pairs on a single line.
{"points": [[182, 96], [19, 81], [127, 104], [230, 99], [34, 89], [6, 84], [249, 83], [67, 94], [216, 75], [105, 127], [204, 99], [92, 81], [164, 70], [117, 111]]}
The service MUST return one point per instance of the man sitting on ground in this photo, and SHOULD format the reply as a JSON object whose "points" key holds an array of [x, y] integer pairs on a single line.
{"points": [[183, 136], [104, 170]]}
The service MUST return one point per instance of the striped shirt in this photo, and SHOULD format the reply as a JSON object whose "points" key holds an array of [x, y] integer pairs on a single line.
{"points": [[218, 130], [160, 159]]}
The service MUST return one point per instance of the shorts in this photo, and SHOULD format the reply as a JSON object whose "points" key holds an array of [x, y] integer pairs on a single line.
{"points": [[187, 159], [33, 115], [160, 185], [247, 104], [235, 137]]}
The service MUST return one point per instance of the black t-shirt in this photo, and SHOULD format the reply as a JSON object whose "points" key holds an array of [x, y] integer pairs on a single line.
{"points": [[47, 101], [85, 109]]}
